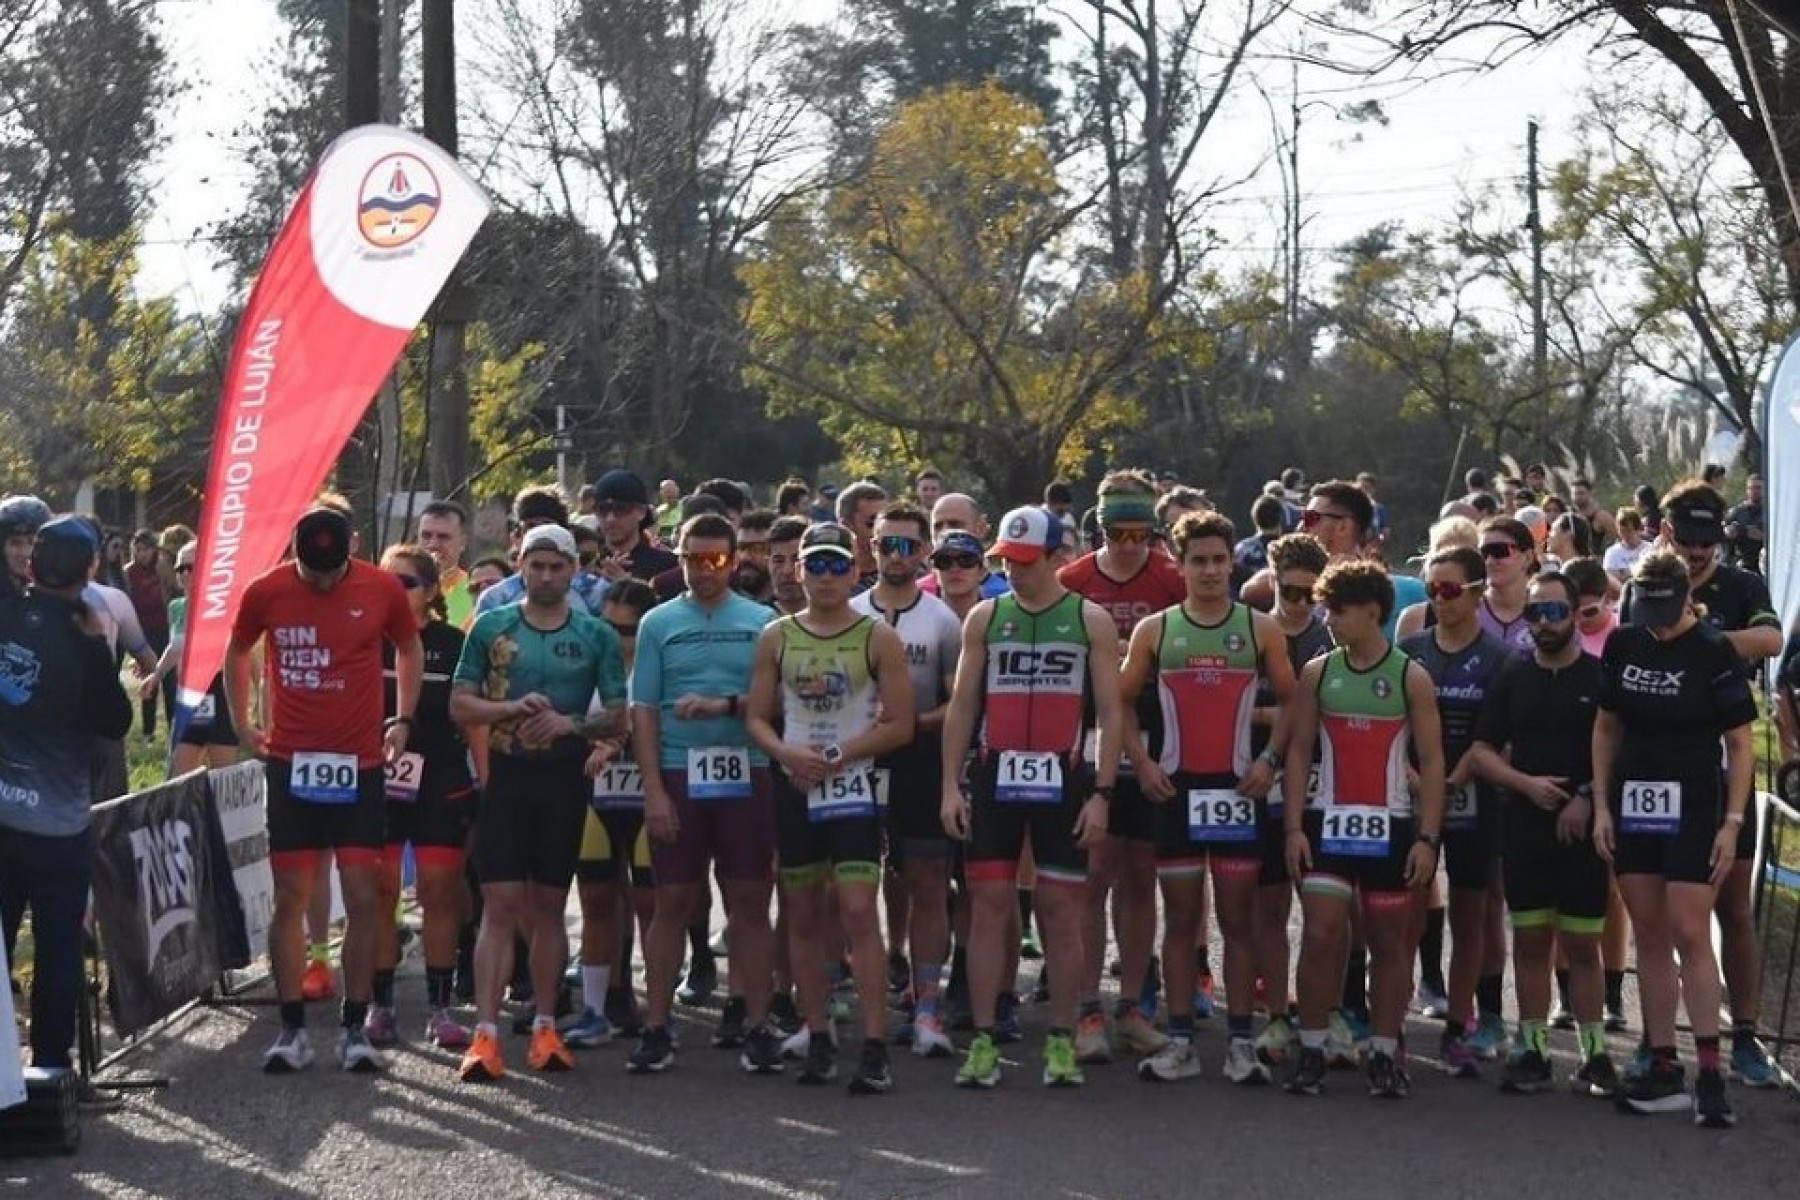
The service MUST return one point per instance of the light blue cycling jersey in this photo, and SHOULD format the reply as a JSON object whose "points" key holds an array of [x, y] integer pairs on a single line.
{"points": [[589, 589], [684, 649]]}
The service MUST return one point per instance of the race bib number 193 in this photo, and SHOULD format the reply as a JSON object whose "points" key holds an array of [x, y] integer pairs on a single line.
{"points": [[1220, 815]]}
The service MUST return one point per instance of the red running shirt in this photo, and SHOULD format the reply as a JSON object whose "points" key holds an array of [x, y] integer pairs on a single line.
{"points": [[322, 657], [1156, 586]]}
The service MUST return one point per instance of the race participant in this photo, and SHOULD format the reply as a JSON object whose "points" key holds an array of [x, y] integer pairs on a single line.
{"points": [[789, 594], [430, 806], [1128, 580], [20, 519], [532, 507], [1462, 661], [1252, 553], [857, 507], [444, 533], [836, 682], [322, 619], [1510, 549], [1622, 555], [1298, 561], [1203, 659], [1595, 618], [528, 674], [959, 574], [614, 860], [1534, 740], [622, 504], [1671, 687], [1736, 603], [931, 636], [1366, 838], [928, 487], [957, 513], [1338, 515], [753, 577], [1746, 528], [1029, 662], [207, 738], [1581, 500], [62, 693], [710, 796]]}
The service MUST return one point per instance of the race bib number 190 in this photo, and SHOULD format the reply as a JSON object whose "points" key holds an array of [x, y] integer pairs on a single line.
{"points": [[1648, 807], [1355, 832], [323, 778], [718, 773], [1026, 778]]}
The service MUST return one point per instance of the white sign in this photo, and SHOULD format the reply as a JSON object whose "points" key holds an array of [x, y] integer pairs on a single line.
{"points": [[238, 793], [12, 1057]]}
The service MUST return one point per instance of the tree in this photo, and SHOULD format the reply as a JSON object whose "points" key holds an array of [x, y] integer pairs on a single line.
{"points": [[95, 359], [1744, 69], [931, 308]]}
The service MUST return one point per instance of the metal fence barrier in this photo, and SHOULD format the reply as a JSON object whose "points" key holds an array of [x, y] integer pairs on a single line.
{"points": [[1778, 923]]}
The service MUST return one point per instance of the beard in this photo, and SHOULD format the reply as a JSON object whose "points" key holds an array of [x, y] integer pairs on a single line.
{"points": [[752, 580], [1552, 641]]}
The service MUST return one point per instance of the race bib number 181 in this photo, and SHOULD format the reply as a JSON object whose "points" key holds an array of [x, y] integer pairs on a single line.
{"points": [[1649, 807]]}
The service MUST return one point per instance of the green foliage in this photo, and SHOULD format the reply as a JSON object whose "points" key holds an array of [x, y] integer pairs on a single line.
{"points": [[924, 311]]}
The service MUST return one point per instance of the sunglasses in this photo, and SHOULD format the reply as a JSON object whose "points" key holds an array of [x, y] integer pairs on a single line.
{"points": [[966, 561], [1294, 593], [1498, 550], [716, 560], [1547, 611], [1128, 537], [1448, 590], [625, 629], [827, 564], [1590, 611], [411, 583], [184, 568], [1310, 518], [905, 547]]}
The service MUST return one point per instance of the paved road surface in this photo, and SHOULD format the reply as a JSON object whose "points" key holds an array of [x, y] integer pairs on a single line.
{"points": [[222, 1129]]}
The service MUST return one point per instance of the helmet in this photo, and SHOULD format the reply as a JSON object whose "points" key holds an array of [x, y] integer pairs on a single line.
{"points": [[22, 514]]}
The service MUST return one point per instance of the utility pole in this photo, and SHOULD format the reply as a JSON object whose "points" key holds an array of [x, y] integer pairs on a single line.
{"points": [[449, 401], [391, 475], [357, 467], [1540, 371]]}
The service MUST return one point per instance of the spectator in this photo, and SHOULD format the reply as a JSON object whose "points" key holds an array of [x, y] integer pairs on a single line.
{"points": [[150, 598], [1746, 531]]}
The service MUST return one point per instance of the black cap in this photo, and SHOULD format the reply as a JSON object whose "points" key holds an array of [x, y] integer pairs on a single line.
{"points": [[1697, 522], [1657, 603], [322, 540], [828, 537], [620, 486], [63, 552]]}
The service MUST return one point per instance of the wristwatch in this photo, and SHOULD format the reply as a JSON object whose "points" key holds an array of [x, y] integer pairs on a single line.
{"points": [[1434, 840], [1268, 757], [1105, 791], [833, 754]]}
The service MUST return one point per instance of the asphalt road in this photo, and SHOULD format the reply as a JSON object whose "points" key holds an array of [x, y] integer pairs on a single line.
{"points": [[705, 1129]]}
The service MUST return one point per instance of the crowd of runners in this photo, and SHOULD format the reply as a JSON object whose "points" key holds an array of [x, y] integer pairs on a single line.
{"points": [[914, 748]]}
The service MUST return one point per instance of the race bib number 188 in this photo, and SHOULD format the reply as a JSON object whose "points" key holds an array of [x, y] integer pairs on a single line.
{"points": [[1355, 832]]}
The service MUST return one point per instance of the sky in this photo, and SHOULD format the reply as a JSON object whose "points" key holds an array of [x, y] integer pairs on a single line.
{"points": [[1456, 133]]}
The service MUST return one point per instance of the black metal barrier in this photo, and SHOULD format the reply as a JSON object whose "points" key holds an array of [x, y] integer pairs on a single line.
{"points": [[1778, 921]]}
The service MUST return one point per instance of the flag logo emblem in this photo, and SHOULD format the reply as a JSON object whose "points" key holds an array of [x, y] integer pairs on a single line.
{"points": [[398, 201]]}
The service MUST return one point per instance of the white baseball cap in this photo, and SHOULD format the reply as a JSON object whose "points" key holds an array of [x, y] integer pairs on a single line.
{"points": [[549, 537]]}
